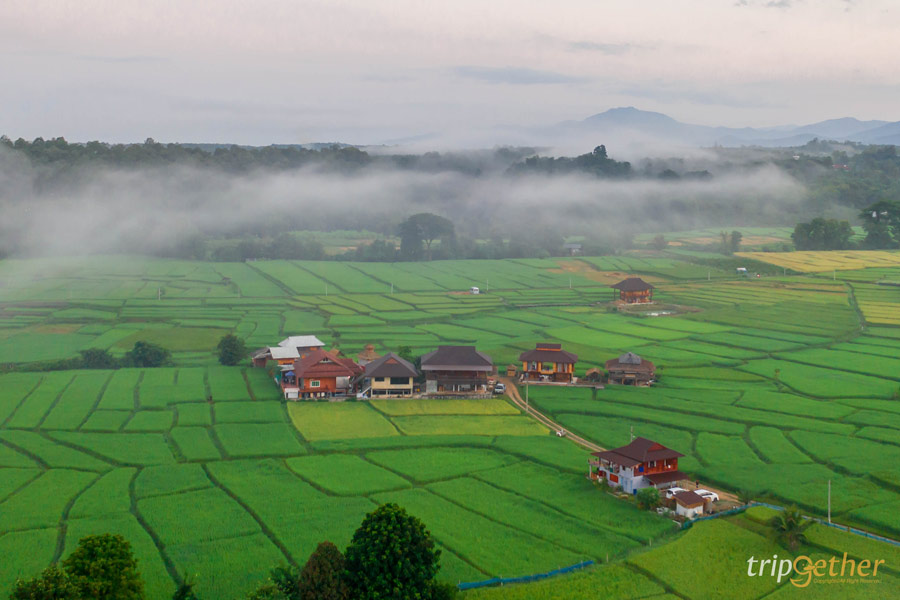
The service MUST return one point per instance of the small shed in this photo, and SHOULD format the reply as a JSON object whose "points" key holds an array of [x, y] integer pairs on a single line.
{"points": [[630, 369], [688, 504], [593, 374], [511, 370]]}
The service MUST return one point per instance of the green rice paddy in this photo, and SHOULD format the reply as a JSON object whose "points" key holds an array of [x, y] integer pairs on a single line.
{"points": [[774, 385]]}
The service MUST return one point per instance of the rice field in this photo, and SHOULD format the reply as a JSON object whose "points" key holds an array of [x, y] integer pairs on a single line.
{"points": [[774, 385]]}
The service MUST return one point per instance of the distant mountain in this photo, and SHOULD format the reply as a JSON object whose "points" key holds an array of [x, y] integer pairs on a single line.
{"points": [[630, 124]]}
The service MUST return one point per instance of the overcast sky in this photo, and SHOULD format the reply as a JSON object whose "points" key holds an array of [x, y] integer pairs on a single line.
{"points": [[373, 71]]}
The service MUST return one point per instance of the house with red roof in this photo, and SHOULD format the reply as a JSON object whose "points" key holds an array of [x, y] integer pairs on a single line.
{"points": [[319, 374], [642, 463], [634, 290], [548, 362]]}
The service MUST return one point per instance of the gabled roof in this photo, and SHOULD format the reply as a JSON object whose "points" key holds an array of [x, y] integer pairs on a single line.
{"points": [[640, 450], [630, 362], [390, 365], [545, 352], [318, 363], [368, 353], [301, 341], [632, 284], [456, 358], [281, 353], [688, 499]]}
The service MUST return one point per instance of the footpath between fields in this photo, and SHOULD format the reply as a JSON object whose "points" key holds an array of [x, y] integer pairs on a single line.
{"points": [[513, 392]]}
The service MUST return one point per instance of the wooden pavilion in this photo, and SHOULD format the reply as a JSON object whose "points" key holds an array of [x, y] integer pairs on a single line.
{"points": [[634, 290]]}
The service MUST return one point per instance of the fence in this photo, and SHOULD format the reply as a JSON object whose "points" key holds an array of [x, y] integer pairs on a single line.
{"points": [[847, 528], [525, 578]]}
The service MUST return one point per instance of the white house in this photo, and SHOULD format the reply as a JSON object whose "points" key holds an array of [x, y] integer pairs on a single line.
{"points": [[688, 504], [642, 463]]}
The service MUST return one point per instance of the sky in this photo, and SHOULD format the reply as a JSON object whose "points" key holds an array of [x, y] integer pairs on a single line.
{"points": [[458, 73]]}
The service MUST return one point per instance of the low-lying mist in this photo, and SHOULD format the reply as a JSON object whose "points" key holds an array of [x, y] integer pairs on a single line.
{"points": [[99, 209]]}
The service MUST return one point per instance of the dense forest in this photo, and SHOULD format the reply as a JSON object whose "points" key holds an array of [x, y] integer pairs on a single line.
{"points": [[236, 202]]}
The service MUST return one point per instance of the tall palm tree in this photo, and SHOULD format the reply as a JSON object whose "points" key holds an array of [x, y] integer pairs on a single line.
{"points": [[789, 526]]}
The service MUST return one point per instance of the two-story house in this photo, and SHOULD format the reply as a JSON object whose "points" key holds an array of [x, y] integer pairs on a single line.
{"points": [[548, 362], [642, 463]]}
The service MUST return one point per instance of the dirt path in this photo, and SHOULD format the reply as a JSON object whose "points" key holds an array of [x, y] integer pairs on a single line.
{"points": [[513, 392]]}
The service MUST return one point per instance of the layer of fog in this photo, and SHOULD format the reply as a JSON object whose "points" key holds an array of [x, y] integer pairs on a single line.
{"points": [[98, 210]]}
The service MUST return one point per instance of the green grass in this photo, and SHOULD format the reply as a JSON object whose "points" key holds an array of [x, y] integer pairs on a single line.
{"points": [[170, 479], [107, 495], [468, 425], [347, 420], [722, 548], [615, 582], [194, 443], [124, 448], [150, 420], [106, 420], [51, 453], [25, 553], [194, 414], [251, 439], [249, 412], [213, 515], [41, 503], [435, 464], [444, 407], [345, 474]]}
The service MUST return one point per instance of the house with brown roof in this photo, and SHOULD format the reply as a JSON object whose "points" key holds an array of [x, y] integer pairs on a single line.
{"points": [[287, 351], [634, 290], [367, 355], [319, 374], [630, 369], [389, 375], [456, 369], [642, 463], [688, 504], [548, 362]]}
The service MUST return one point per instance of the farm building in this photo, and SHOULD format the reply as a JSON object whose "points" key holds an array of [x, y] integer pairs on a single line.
{"points": [[389, 375], [287, 351], [319, 374], [548, 362], [456, 369], [642, 463], [688, 504], [630, 369], [634, 290], [367, 355]]}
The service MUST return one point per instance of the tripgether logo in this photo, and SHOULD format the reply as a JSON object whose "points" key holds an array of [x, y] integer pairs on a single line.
{"points": [[806, 570]]}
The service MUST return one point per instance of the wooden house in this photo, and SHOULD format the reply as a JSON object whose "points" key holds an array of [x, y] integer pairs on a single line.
{"points": [[548, 362], [630, 369], [634, 290], [319, 374], [456, 369], [642, 463], [389, 375]]}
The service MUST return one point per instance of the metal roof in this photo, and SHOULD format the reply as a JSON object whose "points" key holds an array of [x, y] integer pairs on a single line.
{"points": [[301, 341]]}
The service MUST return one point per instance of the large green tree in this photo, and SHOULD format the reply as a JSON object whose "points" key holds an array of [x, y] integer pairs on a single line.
{"points": [[423, 228], [882, 224], [822, 234], [391, 555], [103, 568], [147, 354], [232, 350]]}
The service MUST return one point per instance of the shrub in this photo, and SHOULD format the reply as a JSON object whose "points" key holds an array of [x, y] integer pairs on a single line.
{"points": [[648, 498], [146, 354], [53, 584], [322, 577]]}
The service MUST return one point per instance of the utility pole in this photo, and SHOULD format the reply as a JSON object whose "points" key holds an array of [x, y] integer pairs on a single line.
{"points": [[632, 433], [526, 396], [488, 285], [326, 289], [570, 283], [709, 275], [158, 294], [829, 501], [392, 289]]}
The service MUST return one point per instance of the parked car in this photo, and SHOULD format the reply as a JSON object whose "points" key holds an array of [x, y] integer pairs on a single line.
{"points": [[500, 388], [707, 495], [672, 491], [561, 433]]}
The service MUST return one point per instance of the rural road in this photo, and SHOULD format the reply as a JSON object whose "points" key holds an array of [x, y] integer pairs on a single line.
{"points": [[512, 391]]}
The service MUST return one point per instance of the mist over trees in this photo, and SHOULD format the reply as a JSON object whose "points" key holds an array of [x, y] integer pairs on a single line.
{"points": [[232, 203]]}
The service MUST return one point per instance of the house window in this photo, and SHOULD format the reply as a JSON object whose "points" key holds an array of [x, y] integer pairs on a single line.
{"points": [[533, 366], [399, 380], [315, 383], [652, 463], [379, 379]]}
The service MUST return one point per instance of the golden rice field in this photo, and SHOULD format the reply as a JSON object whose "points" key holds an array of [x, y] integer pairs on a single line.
{"points": [[817, 261]]}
